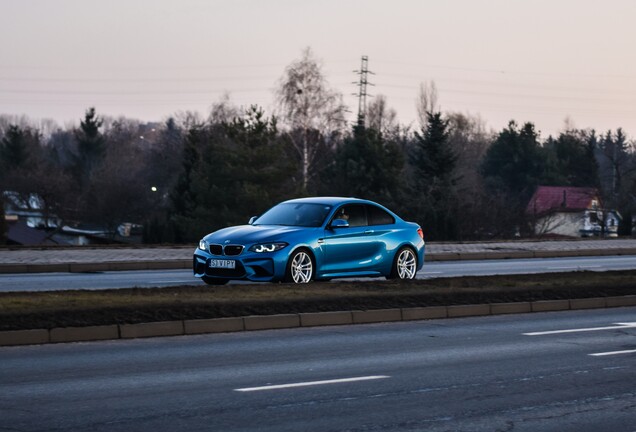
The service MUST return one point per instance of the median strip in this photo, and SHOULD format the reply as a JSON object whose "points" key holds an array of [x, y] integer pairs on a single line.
{"points": [[269, 322]]}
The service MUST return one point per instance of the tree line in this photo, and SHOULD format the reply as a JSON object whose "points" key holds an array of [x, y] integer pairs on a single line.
{"points": [[190, 175]]}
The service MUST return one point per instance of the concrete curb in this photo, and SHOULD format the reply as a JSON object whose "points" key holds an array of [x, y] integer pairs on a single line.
{"points": [[269, 322], [87, 267], [459, 311], [152, 329], [550, 305], [377, 315], [424, 313], [217, 325], [79, 334], [315, 319]]}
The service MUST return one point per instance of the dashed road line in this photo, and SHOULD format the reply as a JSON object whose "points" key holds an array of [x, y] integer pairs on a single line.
{"points": [[610, 353], [312, 383], [616, 326]]}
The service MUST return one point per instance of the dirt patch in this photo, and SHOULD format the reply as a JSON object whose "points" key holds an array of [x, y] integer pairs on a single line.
{"points": [[127, 306]]}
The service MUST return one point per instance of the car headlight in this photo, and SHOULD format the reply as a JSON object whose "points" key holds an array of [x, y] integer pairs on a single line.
{"points": [[267, 247], [203, 245]]}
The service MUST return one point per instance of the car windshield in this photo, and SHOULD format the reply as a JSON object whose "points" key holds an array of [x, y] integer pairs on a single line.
{"points": [[295, 214]]}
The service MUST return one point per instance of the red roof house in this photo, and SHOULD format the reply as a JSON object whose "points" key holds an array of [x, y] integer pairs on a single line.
{"points": [[570, 211], [548, 199]]}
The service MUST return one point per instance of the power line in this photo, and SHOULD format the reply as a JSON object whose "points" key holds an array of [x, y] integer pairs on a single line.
{"points": [[504, 72]]}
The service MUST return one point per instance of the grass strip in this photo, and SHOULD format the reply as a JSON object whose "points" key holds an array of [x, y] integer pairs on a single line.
{"points": [[74, 308]]}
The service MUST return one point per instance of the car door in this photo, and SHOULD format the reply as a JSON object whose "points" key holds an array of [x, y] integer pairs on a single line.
{"points": [[350, 249], [383, 229]]}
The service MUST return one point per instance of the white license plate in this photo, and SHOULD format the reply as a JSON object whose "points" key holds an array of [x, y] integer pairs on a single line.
{"points": [[221, 263]]}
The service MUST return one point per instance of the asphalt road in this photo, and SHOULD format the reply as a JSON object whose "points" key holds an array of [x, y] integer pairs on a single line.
{"points": [[472, 374], [161, 278]]}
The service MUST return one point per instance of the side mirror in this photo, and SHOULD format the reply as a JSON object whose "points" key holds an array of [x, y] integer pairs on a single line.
{"points": [[252, 220], [339, 223]]}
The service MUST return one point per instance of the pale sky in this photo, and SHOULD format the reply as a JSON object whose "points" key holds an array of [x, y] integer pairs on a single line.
{"points": [[530, 60]]}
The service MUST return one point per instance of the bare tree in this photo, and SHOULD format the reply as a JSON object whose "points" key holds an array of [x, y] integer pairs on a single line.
{"points": [[469, 140], [310, 109], [165, 158], [8, 120], [3, 222], [120, 191], [568, 124], [380, 116], [223, 111], [426, 102], [188, 119]]}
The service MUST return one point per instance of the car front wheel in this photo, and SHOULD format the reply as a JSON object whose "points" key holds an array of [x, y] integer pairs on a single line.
{"points": [[300, 268], [404, 264]]}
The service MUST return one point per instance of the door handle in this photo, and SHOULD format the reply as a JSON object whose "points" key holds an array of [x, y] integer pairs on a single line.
{"points": [[369, 232]]}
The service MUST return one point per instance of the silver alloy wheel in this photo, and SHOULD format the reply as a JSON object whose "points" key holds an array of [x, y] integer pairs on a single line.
{"points": [[406, 264], [301, 268]]}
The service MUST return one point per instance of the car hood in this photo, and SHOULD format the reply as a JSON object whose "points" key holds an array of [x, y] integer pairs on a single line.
{"points": [[247, 234]]}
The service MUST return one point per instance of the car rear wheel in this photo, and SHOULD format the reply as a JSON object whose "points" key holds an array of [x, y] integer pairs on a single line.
{"points": [[214, 281], [300, 268], [404, 264]]}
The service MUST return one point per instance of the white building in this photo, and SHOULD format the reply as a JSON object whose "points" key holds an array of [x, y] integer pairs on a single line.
{"points": [[570, 212]]}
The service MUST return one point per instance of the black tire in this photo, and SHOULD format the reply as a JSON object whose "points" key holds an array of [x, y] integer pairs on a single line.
{"points": [[404, 264], [300, 267], [214, 281]]}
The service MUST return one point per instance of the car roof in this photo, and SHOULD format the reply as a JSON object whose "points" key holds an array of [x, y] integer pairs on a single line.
{"points": [[337, 201], [329, 200]]}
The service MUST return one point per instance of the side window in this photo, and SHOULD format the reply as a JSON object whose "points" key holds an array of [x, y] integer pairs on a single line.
{"points": [[377, 216], [354, 213]]}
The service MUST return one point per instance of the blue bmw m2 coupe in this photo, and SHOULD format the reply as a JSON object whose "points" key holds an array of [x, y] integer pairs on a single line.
{"points": [[309, 239]]}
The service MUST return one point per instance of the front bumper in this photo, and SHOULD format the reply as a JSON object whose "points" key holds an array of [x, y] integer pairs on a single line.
{"points": [[264, 267]]}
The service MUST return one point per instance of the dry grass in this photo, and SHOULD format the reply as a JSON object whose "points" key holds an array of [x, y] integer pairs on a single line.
{"points": [[82, 307]]}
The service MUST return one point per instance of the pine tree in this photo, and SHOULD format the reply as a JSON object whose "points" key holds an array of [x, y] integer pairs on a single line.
{"points": [[367, 166], [90, 147], [513, 167], [515, 162], [433, 159], [571, 160], [17, 147], [231, 171], [433, 164]]}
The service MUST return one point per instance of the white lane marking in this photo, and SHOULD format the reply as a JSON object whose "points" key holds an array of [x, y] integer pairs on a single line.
{"points": [[582, 266], [312, 383], [613, 353], [616, 326], [563, 268], [183, 281]]}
